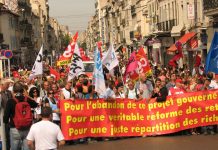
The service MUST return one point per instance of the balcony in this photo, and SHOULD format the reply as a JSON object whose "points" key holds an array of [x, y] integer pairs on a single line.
{"points": [[166, 25], [24, 5], [210, 7], [26, 41], [25, 25]]}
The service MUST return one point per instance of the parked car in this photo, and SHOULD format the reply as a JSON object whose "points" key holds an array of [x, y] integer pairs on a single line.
{"points": [[89, 68]]}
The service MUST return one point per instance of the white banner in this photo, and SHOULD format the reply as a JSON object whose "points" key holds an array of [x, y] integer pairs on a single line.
{"points": [[191, 11], [76, 65], [38, 66], [110, 59]]}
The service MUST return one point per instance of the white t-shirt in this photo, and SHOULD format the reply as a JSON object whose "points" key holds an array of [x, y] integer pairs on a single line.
{"points": [[109, 93], [45, 134], [38, 109], [213, 84], [66, 93], [132, 93]]}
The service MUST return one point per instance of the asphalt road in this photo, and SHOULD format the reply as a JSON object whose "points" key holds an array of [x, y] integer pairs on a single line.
{"points": [[194, 142]]}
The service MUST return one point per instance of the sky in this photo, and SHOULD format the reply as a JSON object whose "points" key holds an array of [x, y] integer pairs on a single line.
{"points": [[74, 13]]}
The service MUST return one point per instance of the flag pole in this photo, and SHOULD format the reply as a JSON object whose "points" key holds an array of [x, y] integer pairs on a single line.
{"points": [[41, 82]]}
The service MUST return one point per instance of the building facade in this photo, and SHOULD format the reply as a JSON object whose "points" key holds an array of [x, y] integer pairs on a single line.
{"points": [[157, 25], [25, 26], [210, 9]]}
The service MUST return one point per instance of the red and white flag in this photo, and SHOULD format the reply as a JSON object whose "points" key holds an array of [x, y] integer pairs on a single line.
{"points": [[54, 73], [65, 59]]}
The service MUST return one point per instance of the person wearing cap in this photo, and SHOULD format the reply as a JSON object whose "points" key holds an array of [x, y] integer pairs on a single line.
{"points": [[177, 89]]}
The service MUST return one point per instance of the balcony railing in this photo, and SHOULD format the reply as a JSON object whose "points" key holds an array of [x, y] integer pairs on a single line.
{"points": [[210, 4]]}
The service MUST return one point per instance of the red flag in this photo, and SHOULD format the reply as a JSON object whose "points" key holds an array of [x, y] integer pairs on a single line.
{"points": [[143, 64], [16, 74], [54, 73], [68, 53], [173, 61], [194, 43], [179, 55], [197, 61], [131, 67], [75, 37]]}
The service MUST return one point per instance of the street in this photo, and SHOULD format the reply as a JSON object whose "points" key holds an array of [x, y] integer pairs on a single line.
{"points": [[200, 142]]}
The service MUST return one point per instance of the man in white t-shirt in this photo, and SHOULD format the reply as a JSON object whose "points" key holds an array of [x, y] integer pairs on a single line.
{"points": [[45, 134], [132, 92], [109, 93]]}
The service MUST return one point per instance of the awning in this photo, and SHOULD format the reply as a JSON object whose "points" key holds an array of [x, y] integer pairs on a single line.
{"points": [[184, 39], [176, 30]]}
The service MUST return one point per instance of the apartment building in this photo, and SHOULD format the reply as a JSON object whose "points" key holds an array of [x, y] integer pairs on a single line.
{"points": [[155, 24], [210, 9], [171, 21], [92, 33], [54, 34], [121, 22], [24, 26], [9, 33]]}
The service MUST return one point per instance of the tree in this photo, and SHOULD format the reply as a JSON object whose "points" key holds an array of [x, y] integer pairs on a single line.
{"points": [[83, 45], [65, 40]]}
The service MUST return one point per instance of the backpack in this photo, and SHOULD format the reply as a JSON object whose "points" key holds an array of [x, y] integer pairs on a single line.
{"points": [[23, 116]]}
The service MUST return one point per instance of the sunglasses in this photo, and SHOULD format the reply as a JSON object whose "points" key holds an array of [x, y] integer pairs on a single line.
{"points": [[51, 93]]}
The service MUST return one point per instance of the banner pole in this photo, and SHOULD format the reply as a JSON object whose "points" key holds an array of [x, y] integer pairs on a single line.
{"points": [[9, 68]]}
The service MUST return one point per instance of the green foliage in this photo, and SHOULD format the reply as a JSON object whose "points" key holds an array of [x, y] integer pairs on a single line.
{"points": [[83, 45], [65, 40]]}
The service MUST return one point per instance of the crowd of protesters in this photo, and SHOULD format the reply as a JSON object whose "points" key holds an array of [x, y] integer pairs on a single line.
{"points": [[47, 92]]}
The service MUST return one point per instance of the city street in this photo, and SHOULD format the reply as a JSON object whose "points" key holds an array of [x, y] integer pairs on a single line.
{"points": [[200, 142], [125, 69]]}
